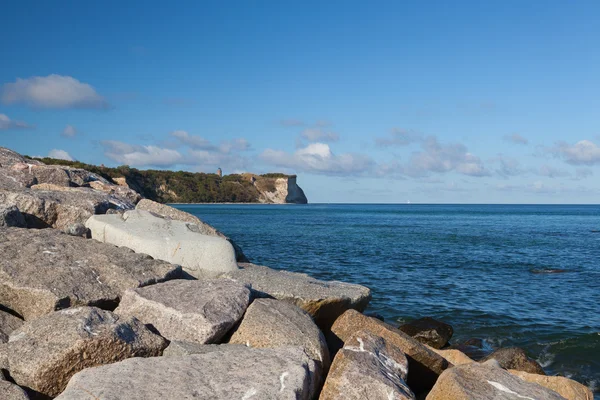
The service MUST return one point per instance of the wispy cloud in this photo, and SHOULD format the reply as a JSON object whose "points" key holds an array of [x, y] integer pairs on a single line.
{"points": [[319, 135], [516, 139], [69, 132], [584, 152], [318, 158], [52, 91], [60, 154], [139, 155], [7, 124], [399, 137]]}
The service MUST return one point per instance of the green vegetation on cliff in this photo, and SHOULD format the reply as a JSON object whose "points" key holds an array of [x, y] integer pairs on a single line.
{"points": [[181, 186]]}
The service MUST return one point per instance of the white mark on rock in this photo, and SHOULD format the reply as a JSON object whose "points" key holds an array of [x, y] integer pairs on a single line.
{"points": [[504, 389], [18, 336], [282, 380], [89, 330], [249, 394], [362, 344], [391, 395], [47, 252]]}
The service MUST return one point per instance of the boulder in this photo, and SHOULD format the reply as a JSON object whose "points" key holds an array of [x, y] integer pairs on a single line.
{"points": [[429, 331], [567, 388], [60, 207], [45, 353], [169, 240], [453, 356], [221, 373], [424, 364], [515, 358], [11, 216], [10, 391], [323, 300], [367, 367], [8, 323], [485, 382], [274, 323], [46, 270], [178, 348], [178, 215], [194, 311]]}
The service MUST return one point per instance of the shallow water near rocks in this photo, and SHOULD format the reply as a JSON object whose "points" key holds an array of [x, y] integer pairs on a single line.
{"points": [[514, 275]]}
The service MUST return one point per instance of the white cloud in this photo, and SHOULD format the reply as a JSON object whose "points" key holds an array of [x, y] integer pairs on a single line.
{"points": [[516, 139], [52, 91], [583, 152], [238, 144], [508, 166], [194, 141], [319, 135], [551, 172], [318, 158], [6, 124], [136, 155], [60, 154], [441, 158], [398, 137], [69, 131]]}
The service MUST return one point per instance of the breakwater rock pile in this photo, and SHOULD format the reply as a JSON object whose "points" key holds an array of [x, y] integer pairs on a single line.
{"points": [[101, 299]]}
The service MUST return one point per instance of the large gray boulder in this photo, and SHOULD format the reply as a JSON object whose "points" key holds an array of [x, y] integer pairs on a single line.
{"points": [[221, 373], [367, 367], [45, 353], [11, 216], [274, 323], [178, 348], [194, 311], [172, 213], [8, 323], [46, 270], [476, 381], [164, 239], [323, 300]]}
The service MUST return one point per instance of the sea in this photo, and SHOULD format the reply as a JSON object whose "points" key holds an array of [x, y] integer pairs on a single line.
{"points": [[513, 275]]}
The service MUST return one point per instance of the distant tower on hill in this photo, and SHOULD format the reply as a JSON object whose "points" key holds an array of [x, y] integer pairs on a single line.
{"points": [[220, 172]]}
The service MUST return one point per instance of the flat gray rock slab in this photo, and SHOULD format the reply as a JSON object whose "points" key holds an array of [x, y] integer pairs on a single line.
{"points": [[486, 382], [368, 367], [46, 352], [8, 323], [173, 241], [323, 300], [42, 270], [225, 373], [10, 391], [178, 215], [188, 310]]}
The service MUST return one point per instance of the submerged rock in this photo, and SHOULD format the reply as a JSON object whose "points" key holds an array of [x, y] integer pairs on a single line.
{"points": [[178, 215], [194, 311], [425, 365], [429, 331], [325, 301], [485, 382], [367, 367], [44, 353], [164, 239], [46, 270], [515, 358], [223, 373]]}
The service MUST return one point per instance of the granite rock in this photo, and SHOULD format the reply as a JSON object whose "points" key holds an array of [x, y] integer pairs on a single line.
{"points": [[323, 300], [424, 364], [178, 348], [11, 216], [188, 310], [428, 331], [178, 215], [567, 388], [476, 381], [8, 323], [367, 367], [164, 239], [45, 353], [515, 358], [46, 270], [10, 391], [223, 373]]}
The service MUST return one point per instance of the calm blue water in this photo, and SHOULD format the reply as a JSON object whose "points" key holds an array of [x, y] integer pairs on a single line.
{"points": [[468, 265]]}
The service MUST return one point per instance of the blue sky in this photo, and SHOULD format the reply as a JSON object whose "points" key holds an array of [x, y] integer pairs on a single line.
{"points": [[434, 101]]}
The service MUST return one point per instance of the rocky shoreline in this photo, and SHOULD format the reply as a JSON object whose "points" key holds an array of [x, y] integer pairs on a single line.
{"points": [[105, 295]]}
